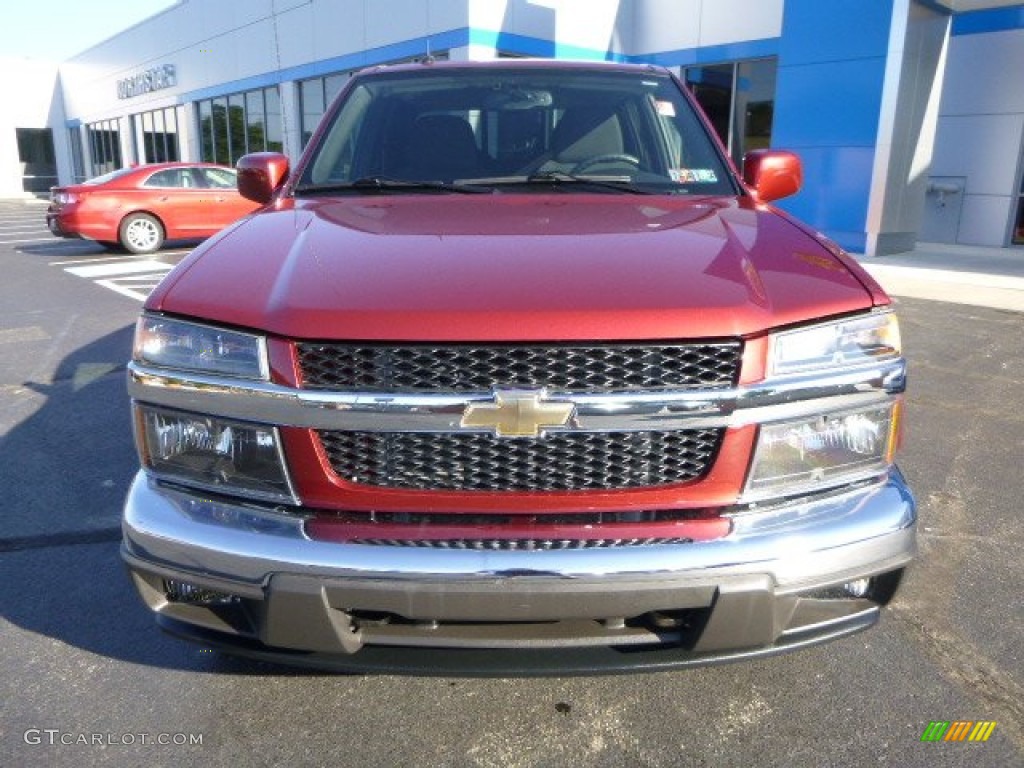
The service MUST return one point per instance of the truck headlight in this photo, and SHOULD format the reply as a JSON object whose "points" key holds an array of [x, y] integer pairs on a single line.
{"points": [[819, 451], [169, 343], [220, 455], [840, 344]]}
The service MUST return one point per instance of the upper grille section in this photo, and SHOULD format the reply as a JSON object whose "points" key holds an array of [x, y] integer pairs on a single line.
{"points": [[476, 368]]}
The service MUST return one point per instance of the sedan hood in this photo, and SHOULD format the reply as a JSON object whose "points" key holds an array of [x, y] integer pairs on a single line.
{"points": [[512, 267]]}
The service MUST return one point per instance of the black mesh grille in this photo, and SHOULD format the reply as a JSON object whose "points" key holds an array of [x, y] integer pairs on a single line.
{"points": [[573, 461], [528, 545], [472, 368]]}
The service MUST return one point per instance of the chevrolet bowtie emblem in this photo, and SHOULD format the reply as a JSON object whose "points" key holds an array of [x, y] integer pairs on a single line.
{"points": [[517, 413]]}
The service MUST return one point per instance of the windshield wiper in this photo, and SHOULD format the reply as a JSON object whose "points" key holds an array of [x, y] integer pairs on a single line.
{"points": [[617, 184], [387, 184]]}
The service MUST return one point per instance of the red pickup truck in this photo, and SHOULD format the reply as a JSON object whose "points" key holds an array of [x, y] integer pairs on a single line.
{"points": [[513, 373]]}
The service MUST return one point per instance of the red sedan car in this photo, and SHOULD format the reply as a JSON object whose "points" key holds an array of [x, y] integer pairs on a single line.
{"points": [[139, 208]]}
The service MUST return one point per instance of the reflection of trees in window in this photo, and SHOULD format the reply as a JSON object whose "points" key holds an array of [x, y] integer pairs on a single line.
{"points": [[311, 95], [206, 130], [274, 121], [256, 135], [316, 96], [231, 126], [221, 146]]}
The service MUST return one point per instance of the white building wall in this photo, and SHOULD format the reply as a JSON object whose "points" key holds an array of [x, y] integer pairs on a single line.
{"points": [[980, 137], [630, 27], [215, 44], [31, 99]]}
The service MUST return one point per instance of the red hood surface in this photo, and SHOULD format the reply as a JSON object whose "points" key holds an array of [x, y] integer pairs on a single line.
{"points": [[512, 268]]}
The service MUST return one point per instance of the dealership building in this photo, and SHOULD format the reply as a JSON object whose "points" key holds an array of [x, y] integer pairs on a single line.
{"points": [[908, 114]]}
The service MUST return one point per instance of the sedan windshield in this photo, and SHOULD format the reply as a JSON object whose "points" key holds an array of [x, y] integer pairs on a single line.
{"points": [[429, 130]]}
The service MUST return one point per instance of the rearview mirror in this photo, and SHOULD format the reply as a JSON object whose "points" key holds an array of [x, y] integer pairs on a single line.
{"points": [[261, 174]]}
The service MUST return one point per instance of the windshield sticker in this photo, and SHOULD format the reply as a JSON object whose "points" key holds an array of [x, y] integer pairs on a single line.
{"points": [[693, 175], [665, 108]]}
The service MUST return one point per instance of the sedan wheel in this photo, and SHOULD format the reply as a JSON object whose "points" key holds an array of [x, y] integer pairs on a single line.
{"points": [[141, 233]]}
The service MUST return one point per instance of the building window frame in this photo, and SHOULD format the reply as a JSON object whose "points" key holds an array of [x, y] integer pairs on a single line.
{"points": [[156, 136], [235, 124], [315, 96], [104, 137]]}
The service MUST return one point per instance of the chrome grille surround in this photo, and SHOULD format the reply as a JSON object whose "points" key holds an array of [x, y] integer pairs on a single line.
{"points": [[555, 367], [560, 461]]}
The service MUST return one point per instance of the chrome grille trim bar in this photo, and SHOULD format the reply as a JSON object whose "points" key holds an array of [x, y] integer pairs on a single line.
{"points": [[268, 403]]}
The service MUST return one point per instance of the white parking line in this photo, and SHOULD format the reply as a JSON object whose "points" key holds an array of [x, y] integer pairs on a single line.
{"points": [[133, 292], [134, 278], [99, 257], [123, 268], [35, 240], [93, 260]]}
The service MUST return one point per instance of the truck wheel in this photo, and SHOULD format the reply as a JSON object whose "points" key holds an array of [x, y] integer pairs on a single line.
{"points": [[141, 233]]}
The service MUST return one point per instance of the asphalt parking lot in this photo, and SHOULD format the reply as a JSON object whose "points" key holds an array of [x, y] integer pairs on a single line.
{"points": [[86, 678]]}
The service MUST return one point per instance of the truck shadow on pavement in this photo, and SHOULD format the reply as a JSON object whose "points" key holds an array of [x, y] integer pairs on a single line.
{"points": [[65, 465]]}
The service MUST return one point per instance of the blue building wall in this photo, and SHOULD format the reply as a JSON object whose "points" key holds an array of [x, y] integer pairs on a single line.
{"points": [[832, 61]]}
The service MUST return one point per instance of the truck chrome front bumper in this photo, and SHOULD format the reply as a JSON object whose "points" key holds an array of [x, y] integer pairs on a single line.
{"points": [[266, 589]]}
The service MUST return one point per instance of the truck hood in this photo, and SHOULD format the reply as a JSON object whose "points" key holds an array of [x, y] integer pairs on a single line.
{"points": [[512, 267]]}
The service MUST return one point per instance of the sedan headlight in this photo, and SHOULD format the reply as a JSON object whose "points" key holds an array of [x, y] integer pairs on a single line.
{"points": [[220, 455], [840, 344], [169, 343], [820, 451]]}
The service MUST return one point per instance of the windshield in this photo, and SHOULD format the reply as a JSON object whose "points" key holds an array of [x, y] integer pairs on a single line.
{"points": [[493, 127]]}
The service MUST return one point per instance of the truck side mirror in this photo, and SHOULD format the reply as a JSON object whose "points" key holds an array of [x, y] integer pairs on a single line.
{"points": [[261, 174], [772, 173]]}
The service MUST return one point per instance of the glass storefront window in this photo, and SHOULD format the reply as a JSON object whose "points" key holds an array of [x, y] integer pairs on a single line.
{"points": [[713, 88], [104, 147], [221, 137], [255, 121], [316, 95], [158, 137], [206, 148], [755, 105], [274, 121], [739, 100], [37, 158], [77, 163], [234, 125], [1018, 227], [311, 93], [1017, 235]]}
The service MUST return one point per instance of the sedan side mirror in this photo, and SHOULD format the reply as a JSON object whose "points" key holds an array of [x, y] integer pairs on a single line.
{"points": [[772, 173], [261, 174]]}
